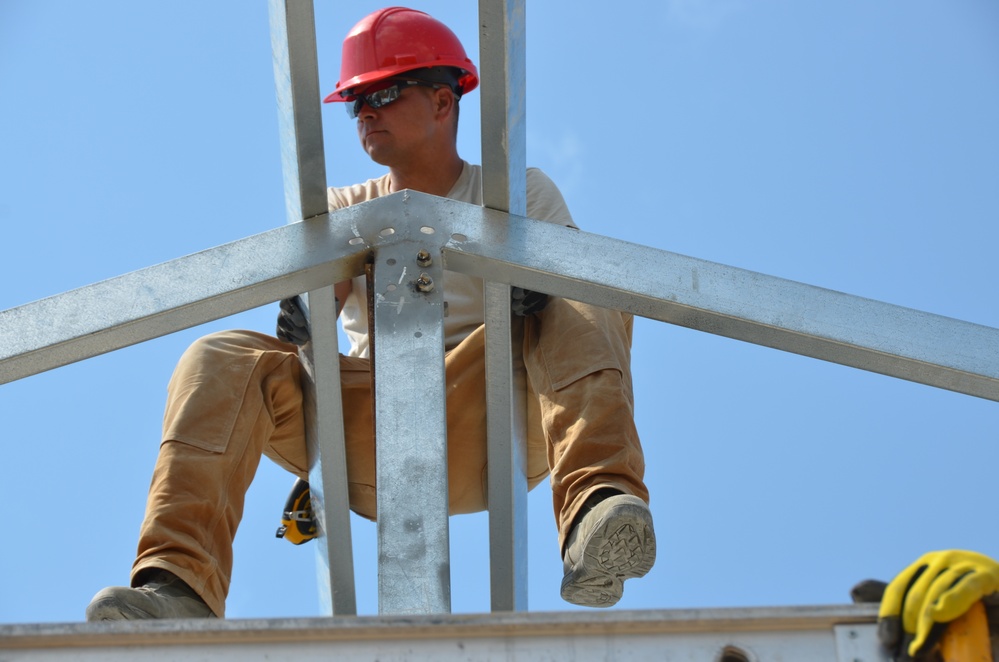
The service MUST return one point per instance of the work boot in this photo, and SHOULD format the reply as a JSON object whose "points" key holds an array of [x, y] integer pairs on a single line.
{"points": [[162, 596], [612, 542]]}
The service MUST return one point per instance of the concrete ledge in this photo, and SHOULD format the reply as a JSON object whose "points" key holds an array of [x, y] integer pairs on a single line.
{"points": [[526, 624]]}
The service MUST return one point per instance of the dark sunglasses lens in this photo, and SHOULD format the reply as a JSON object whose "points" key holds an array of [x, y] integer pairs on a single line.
{"points": [[383, 97], [354, 107], [376, 99]]}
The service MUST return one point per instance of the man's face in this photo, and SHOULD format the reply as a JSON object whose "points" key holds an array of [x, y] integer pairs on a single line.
{"points": [[396, 131]]}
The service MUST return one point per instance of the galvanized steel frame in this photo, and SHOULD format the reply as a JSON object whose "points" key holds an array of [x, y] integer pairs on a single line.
{"points": [[727, 301], [312, 254], [506, 250]]}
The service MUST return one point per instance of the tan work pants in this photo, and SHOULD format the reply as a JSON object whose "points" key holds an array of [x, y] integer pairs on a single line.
{"points": [[236, 395]]}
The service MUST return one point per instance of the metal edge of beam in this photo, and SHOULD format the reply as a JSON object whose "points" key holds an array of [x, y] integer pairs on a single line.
{"points": [[296, 81], [504, 188], [611, 622]]}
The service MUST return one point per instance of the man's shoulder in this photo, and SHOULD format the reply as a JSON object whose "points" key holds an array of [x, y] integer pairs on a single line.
{"points": [[544, 199], [345, 196], [537, 181]]}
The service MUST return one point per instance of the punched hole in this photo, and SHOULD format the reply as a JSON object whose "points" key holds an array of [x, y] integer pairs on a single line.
{"points": [[387, 231], [354, 241], [426, 229], [457, 236], [734, 654]]}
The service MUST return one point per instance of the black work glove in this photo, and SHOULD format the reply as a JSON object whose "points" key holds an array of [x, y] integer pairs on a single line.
{"points": [[291, 323], [525, 302]]}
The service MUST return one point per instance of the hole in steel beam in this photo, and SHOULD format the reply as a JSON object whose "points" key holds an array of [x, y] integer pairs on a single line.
{"points": [[387, 232], [426, 229], [734, 654], [354, 241], [457, 236]]}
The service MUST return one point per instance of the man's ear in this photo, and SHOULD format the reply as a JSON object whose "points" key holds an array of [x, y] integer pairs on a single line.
{"points": [[444, 101]]}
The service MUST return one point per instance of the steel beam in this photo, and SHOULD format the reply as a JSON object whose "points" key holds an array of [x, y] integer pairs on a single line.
{"points": [[178, 294], [300, 121], [728, 301], [407, 303], [296, 79], [504, 188]]}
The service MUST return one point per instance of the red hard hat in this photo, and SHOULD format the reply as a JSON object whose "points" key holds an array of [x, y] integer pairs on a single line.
{"points": [[394, 40]]}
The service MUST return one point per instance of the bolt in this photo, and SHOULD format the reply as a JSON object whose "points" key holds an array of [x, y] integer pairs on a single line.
{"points": [[425, 283], [423, 258]]}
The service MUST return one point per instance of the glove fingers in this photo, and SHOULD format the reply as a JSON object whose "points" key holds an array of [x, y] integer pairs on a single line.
{"points": [[293, 308], [525, 302], [894, 631], [536, 301], [967, 586], [292, 326], [895, 593], [921, 594], [289, 332]]}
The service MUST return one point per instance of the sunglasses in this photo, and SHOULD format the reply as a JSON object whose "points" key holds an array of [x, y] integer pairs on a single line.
{"points": [[384, 96]]}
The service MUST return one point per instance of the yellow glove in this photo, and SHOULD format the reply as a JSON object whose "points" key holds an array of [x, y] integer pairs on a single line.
{"points": [[938, 588]]}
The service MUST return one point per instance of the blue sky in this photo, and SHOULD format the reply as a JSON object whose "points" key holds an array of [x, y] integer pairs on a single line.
{"points": [[849, 145]]}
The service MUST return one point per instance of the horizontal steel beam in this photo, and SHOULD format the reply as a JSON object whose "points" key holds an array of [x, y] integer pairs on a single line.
{"points": [[727, 301]]}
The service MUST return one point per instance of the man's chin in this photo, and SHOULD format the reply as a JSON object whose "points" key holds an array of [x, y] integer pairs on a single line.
{"points": [[378, 155]]}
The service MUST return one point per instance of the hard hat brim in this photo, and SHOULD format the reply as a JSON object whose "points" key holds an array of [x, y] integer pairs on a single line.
{"points": [[468, 81]]}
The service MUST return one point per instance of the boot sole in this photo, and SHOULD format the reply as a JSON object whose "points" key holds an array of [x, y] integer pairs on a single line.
{"points": [[623, 547]]}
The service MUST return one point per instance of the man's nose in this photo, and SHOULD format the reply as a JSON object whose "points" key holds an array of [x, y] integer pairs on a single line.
{"points": [[365, 110]]}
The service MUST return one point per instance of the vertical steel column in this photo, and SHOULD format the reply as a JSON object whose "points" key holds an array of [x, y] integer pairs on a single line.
{"points": [[296, 77], [502, 62], [414, 568]]}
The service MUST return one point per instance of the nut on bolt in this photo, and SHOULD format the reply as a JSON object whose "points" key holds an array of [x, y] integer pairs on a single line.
{"points": [[425, 283], [423, 258]]}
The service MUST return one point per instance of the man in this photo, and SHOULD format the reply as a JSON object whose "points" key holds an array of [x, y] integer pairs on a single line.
{"points": [[236, 395]]}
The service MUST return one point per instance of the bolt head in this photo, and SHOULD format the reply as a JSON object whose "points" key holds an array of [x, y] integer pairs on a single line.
{"points": [[425, 283]]}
